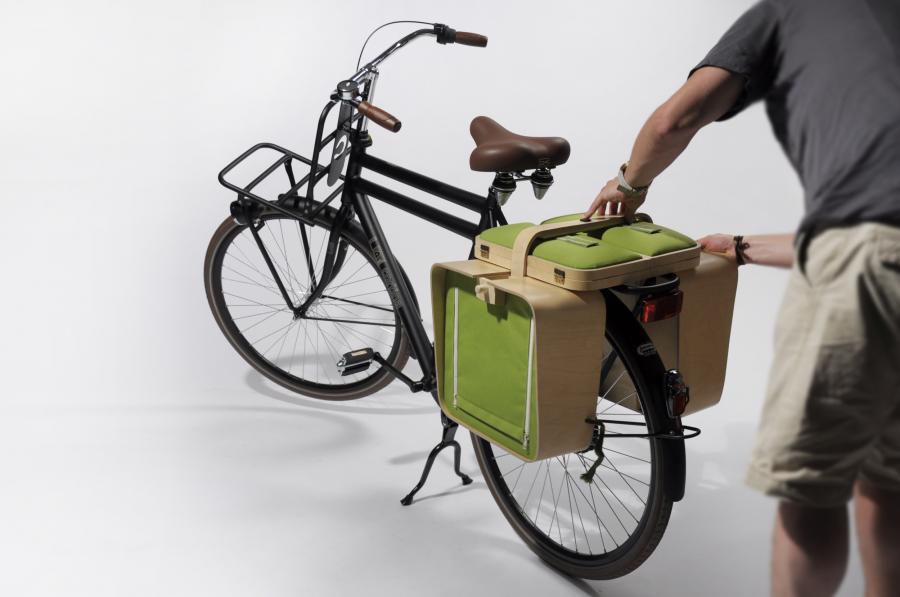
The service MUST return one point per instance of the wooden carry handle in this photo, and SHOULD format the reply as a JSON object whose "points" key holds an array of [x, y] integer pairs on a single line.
{"points": [[522, 247], [379, 116]]}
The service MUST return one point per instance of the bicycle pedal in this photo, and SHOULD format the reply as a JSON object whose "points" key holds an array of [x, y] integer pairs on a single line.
{"points": [[355, 361]]}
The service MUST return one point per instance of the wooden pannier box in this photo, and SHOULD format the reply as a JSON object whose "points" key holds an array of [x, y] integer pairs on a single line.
{"points": [[519, 331]]}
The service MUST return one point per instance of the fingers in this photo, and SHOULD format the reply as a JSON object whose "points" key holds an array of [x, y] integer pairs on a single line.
{"points": [[599, 207], [602, 200], [595, 204], [595, 207], [610, 201], [607, 207], [717, 243]]}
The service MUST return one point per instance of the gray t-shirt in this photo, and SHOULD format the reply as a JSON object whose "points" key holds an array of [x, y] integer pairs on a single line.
{"points": [[829, 71]]}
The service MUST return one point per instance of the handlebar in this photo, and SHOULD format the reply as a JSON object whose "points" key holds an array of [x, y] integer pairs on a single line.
{"points": [[444, 35], [379, 116]]}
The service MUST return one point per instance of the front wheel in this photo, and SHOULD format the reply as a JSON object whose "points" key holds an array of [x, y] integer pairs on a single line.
{"points": [[301, 353], [606, 528]]}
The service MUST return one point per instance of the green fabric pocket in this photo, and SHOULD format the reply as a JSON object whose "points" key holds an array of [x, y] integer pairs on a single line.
{"points": [[588, 254], [647, 239]]}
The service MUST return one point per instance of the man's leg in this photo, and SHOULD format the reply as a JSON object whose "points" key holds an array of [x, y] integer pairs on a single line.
{"points": [[878, 529], [809, 554]]}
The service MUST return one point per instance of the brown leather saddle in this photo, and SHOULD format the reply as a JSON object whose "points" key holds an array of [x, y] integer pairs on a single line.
{"points": [[499, 150]]}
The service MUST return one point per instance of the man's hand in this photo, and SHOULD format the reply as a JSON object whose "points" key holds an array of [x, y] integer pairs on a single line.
{"points": [[613, 202], [719, 243], [762, 249]]}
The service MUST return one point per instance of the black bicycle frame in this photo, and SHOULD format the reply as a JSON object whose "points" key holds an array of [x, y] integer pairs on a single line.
{"points": [[355, 194], [355, 200]]}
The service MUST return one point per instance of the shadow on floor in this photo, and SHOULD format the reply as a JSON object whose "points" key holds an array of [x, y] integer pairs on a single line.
{"points": [[389, 401]]}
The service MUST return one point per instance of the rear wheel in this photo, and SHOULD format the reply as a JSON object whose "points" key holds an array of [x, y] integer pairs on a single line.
{"points": [[606, 528], [301, 354]]}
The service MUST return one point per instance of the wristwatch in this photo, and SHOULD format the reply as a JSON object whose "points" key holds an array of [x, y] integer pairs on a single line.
{"points": [[626, 188]]}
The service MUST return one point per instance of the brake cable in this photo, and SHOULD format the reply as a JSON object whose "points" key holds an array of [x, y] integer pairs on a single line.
{"points": [[374, 31]]}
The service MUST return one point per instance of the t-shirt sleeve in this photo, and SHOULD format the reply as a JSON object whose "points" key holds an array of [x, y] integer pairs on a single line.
{"points": [[749, 49]]}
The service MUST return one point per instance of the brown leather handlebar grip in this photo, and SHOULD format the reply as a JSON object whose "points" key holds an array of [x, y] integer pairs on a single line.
{"points": [[379, 116], [471, 39]]}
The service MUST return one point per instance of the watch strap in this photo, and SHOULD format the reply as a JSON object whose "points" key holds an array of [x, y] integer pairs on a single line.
{"points": [[626, 188], [740, 245]]}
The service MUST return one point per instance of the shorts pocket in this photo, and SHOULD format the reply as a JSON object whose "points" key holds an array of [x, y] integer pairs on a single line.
{"points": [[889, 254], [838, 371]]}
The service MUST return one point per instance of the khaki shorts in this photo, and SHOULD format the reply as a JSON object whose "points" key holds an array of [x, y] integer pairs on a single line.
{"points": [[832, 410]]}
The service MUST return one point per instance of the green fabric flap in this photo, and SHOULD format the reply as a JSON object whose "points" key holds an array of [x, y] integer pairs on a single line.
{"points": [[486, 350], [580, 240], [511, 430], [504, 235], [647, 239], [646, 227], [569, 254]]}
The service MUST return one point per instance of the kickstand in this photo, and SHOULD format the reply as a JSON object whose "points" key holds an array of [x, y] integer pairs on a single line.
{"points": [[447, 440]]}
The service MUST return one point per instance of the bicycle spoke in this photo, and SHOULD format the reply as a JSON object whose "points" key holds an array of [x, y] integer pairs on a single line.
{"points": [[518, 468], [380, 324], [367, 293], [344, 309], [625, 480], [594, 519], [247, 329], [605, 449], [305, 350], [618, 403], [343, 300]]}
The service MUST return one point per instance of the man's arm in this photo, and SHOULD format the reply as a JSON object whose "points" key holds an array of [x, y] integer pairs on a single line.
{"points": [[706, 96], [764, 249]]}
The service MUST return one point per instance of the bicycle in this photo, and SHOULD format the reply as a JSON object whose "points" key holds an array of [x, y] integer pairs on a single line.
{"points": [[312, 296]]}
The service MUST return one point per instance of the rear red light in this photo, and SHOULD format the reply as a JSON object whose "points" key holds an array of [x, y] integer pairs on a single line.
{"points": [[658, 308], [678, 395]]}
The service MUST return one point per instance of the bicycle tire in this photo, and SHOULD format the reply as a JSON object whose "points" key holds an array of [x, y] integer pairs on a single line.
{"points": [[624, 335], [377, 378]]}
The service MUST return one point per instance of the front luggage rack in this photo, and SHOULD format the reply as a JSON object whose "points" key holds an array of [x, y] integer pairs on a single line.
{"points": [[291, 200]]}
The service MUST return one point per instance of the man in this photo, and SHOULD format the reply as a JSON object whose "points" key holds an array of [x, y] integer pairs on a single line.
{"points": [[829, 71]]}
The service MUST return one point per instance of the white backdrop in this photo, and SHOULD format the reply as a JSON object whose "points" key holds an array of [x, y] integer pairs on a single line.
{"points": [[138, 453]]}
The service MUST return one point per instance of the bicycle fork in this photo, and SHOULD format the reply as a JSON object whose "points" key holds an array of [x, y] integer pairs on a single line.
{"points": [[335, 254]]}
